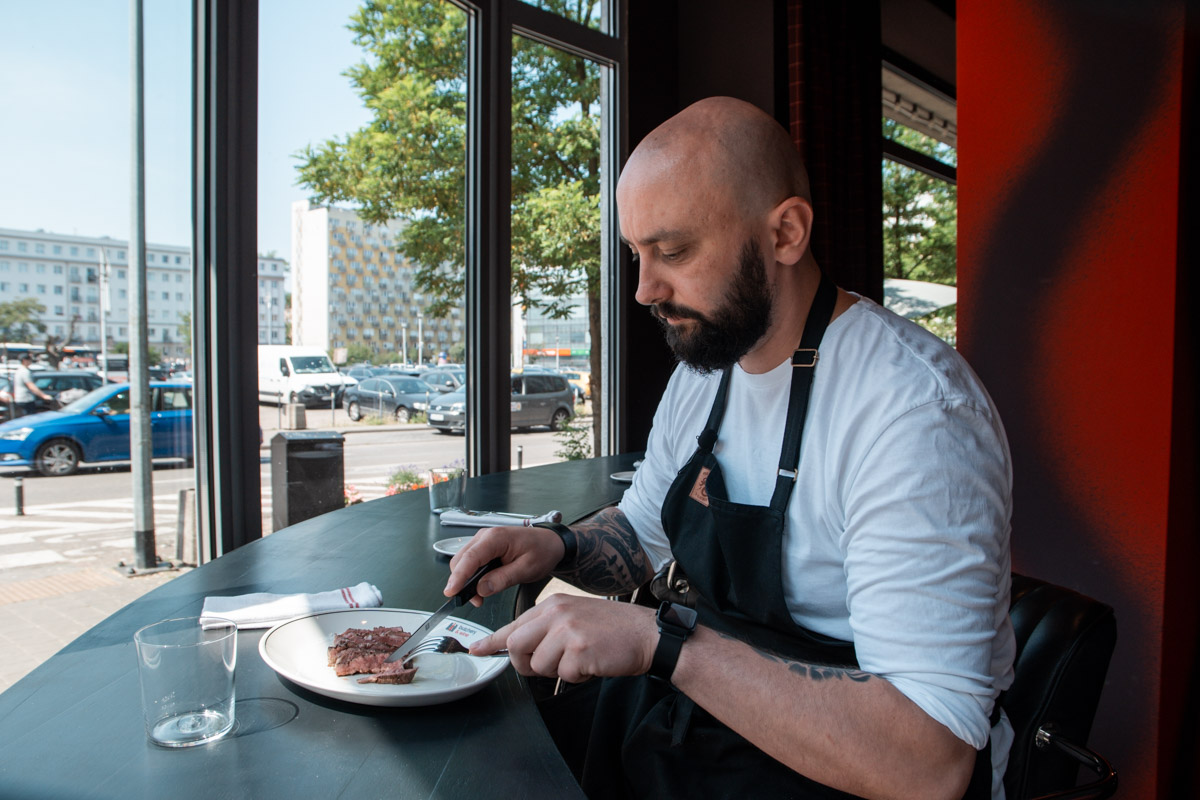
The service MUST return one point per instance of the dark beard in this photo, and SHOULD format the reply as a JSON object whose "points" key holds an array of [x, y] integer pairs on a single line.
{"points": [[720, 340]]}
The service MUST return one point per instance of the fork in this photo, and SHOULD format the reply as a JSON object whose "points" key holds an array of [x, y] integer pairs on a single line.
{"points": [[445, 644]]}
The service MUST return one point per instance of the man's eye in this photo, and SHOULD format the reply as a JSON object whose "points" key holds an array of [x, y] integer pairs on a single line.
{"points": [[674, 256]]}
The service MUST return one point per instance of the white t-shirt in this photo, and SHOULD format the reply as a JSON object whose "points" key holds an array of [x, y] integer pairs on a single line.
{"points": [[897, 530], [21, 380]]}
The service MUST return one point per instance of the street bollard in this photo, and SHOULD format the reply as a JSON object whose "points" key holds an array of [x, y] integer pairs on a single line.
{"points": [[520, 455], [19, 487]]}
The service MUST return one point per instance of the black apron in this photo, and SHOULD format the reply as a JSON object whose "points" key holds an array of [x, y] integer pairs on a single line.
{"points": [[648, 739]]}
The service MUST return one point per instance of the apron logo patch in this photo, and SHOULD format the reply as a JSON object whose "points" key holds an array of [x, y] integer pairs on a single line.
{"points": [[699, 491]]}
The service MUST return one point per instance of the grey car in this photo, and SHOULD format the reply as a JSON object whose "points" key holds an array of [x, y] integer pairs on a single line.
{"points": [[537, 399], [396, 396]]}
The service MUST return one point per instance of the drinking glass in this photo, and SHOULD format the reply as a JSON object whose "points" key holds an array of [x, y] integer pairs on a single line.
{"points": [[446, 487], [186, 674]]}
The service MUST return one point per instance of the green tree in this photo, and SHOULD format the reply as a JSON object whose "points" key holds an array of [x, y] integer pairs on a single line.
{"points": [[20, 320], [409, 161], [920, 213], [185, 329], [358, 353]]}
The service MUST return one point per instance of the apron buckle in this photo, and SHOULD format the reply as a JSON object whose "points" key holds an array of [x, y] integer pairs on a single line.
{"points": [[805, 357]]}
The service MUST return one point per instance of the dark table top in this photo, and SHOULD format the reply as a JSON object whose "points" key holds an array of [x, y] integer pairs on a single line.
{"points": [[73, 727]]}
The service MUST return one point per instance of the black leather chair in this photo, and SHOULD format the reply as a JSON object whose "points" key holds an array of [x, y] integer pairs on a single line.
{"points": [[1064, 643]]}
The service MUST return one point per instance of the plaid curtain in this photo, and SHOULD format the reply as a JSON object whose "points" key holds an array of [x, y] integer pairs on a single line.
{"points": [[834, 89]]}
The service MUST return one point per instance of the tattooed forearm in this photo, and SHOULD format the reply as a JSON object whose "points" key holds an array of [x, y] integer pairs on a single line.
{"points": [[814, 672], [610, 560]]}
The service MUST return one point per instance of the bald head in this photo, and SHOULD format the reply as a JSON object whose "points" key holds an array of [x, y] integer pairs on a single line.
{"points": [[726, 146]]}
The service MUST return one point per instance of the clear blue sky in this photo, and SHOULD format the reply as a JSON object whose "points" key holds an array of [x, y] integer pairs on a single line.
{"points": [[65, 112]]}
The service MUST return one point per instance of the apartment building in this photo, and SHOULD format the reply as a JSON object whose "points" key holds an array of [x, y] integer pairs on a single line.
{"points": [[83, 283], [352, 286]]}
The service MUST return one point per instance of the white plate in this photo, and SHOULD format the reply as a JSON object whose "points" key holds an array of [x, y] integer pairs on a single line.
{"points": [[449, 547], [297, 650], [622, 477]]}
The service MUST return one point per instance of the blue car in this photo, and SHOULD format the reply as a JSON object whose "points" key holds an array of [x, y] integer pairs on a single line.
{"points": [[95, 428]]}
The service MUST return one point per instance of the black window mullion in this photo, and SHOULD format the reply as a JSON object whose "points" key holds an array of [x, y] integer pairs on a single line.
{"points": [[489, 238]]}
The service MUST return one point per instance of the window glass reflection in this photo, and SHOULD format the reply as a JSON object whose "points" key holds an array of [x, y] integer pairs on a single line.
{"points": [[556, 254], [361, 183]]}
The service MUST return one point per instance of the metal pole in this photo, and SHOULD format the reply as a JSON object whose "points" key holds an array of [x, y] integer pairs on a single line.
{"points": [[520, 455], [404, 330], [420, 338], [104, 313], [19, 487], [139, 373]]}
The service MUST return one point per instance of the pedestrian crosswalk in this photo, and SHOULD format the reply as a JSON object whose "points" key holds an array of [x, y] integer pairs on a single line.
{"points": [[71, 532], [98, 530]]}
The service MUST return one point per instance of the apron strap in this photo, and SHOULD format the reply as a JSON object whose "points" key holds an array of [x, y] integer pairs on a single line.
{"points": [[708, 436], [804, 364]]}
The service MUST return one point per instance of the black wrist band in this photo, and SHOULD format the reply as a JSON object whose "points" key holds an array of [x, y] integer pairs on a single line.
{"points": [[675, 624], [570, 545]]}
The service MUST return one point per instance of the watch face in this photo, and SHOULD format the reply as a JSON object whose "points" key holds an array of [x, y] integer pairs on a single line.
{"points": [[679, 616]]}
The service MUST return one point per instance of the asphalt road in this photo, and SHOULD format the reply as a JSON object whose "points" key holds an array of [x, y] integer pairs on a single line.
{"points": [[370, 455]]}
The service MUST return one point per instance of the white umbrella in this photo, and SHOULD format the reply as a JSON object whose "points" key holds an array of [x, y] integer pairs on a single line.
{"points": [[912, 299]]}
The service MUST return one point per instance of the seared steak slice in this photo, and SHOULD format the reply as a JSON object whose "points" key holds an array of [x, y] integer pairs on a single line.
{"points": [[394, 672]]}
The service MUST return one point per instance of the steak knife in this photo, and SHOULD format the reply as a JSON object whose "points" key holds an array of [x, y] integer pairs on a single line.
{"points": [[435, 619]]}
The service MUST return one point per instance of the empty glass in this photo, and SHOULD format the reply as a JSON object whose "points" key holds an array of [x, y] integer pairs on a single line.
{"points": [[186, 674], [446, 487]]}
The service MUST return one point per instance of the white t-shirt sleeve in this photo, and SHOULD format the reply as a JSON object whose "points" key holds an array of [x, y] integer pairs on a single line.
{"points": [[643, 500], [926, 554]]}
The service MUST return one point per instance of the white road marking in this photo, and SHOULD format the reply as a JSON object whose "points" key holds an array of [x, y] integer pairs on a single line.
{"points": [[30, 559]]}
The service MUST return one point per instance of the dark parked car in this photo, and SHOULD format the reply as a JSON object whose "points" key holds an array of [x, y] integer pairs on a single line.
{"points": [[96, 428], [537, 399], [63, 386], [445, 379], [396, 396], [362, 372]]}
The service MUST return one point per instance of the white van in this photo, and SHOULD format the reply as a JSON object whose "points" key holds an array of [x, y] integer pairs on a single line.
{"points": [[295, 374]]}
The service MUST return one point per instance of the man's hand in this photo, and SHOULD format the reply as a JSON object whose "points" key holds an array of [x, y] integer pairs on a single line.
{"points": [[528, 554], [576, 638]]}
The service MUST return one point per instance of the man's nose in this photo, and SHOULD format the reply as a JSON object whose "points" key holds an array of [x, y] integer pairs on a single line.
{"points": [[651, 289]]}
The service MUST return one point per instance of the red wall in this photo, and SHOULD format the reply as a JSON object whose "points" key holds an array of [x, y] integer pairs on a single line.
{"points": [[1069, 119]]}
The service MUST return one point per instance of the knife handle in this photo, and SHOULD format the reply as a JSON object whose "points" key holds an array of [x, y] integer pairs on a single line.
{"points": [[469, 590]]}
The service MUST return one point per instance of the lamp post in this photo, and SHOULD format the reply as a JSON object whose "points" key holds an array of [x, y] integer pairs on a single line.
{"points": [[404, 333], [420, 338]]}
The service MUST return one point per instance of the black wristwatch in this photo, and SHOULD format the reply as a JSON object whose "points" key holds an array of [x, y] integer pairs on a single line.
{"points": [[570, 546], [675, 625]]}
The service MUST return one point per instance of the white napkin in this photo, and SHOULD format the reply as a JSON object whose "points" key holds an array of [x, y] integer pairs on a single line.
{"points": [[264, 610], [488, 519]]}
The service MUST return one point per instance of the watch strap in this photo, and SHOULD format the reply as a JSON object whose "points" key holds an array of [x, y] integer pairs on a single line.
{"points": [[567, 536], [666, 655]]}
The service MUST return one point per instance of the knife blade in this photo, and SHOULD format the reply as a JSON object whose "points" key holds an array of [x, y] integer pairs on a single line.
{"points": [[457, 601]]}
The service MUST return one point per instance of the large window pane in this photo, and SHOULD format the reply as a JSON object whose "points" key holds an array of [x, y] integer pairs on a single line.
{"points": [[556, 251], [920, 215], [362, 116], [67, 268]]}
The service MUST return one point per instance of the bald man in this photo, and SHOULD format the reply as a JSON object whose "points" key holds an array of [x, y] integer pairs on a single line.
{"points": [[833, 481]]}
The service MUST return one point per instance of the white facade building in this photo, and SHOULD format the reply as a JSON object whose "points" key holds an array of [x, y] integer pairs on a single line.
{"points": [[66, 274], [351, 286]]}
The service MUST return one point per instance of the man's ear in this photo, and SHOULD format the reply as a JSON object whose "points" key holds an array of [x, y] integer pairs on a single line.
{"points": [[791, 223]]}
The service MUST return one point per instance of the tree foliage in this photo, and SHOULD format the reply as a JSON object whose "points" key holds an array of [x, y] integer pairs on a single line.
{"points": [[21, 319], [920, 214], [409, 161]]}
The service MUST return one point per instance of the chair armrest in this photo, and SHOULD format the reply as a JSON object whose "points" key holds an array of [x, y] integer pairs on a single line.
{"points": [[1105, 786]]}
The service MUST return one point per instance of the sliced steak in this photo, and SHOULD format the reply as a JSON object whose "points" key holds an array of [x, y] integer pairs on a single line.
{"points": [[391, 673], [359, 651]]}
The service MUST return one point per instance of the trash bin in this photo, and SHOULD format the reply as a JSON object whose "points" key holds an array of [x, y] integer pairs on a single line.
{"points": [[307, 476]]}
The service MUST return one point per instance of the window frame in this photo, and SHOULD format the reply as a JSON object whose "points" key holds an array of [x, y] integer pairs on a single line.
{"points": [[225, 107]]}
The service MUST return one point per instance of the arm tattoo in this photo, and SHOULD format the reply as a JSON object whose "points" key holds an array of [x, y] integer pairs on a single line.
{"points": [[610, 560], [814, 672]]}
